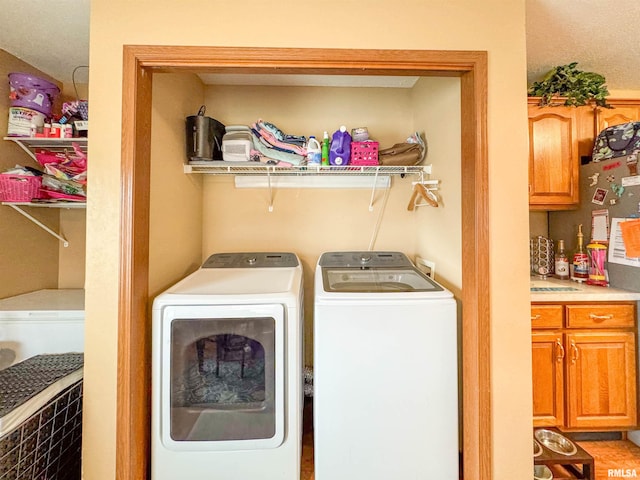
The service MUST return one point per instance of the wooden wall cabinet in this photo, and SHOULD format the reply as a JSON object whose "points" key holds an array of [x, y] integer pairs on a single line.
{"points": [[559, 138], [584, 366], [553, 158], [623, 111]]}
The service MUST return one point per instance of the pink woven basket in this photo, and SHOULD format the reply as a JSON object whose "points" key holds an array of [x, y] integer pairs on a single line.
{"points": [[20, 188]]}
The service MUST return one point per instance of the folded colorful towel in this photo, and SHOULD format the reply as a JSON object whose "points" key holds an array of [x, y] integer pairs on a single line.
{"points": [[274, 154], [299, 140], [272, 140]]}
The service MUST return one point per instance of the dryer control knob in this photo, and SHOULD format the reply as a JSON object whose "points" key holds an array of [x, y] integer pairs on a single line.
{"points": [[365, 258], [252, 260]]}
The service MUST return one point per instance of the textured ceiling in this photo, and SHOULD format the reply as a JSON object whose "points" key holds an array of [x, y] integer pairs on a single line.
{"points": [[602, 36], [51, 35]]}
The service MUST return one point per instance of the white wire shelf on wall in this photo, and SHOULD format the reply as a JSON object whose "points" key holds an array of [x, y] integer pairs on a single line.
{"points": [[216, 167], [30, 144]]}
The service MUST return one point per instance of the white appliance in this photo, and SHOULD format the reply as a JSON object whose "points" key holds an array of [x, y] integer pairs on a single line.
{"points": [[385, 370], [237, 144], [227, 353], [44, 321]]}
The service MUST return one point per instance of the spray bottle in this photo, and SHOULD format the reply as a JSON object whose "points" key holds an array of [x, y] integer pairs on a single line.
{"points": [[325, 149]]}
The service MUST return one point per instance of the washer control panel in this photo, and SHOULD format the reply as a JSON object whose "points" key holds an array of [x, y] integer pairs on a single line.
{"points": [[364, 259], [251, 260]]}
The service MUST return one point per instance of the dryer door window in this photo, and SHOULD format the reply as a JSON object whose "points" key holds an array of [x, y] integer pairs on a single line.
{"points": [[223, 382]]}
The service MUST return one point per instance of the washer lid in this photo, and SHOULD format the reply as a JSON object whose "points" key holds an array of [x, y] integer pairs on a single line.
{"points": [[377, 280], [364, 259], [251, 260]]}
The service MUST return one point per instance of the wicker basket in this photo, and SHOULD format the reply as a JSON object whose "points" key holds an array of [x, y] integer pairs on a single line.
{"points": [[19, 188], [364, 153]]}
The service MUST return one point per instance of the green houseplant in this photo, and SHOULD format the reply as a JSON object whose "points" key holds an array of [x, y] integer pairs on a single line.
{"points": [[572, 86]]}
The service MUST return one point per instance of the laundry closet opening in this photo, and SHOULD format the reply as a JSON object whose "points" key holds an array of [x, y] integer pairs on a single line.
{"points": [[190, 216]]}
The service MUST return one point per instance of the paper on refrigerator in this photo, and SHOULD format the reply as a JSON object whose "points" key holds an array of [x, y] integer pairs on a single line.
{"points": [[617, 249]]}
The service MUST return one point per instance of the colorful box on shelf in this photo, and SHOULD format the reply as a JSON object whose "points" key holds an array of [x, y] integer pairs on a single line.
{"points": [[364, 153]]}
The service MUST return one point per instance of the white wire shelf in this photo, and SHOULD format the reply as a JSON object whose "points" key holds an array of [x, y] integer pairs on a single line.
{"points": [[45, 204], [29, 144], [216, 167]]}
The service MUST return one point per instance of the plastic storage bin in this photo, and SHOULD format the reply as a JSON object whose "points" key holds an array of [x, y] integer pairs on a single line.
{"points": [[20, 188], [364, 153]]}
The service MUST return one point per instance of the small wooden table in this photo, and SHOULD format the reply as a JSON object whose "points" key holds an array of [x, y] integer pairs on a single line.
{"points": [[568, 462]]}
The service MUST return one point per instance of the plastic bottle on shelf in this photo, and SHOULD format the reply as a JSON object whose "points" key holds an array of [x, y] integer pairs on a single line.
{"points": [[325, 148], [340, 150], [314, 152]]}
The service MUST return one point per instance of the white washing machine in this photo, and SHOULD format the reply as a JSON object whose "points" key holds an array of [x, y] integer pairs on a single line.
{"points": [[44, 321], [385, 370], [227, 353]]}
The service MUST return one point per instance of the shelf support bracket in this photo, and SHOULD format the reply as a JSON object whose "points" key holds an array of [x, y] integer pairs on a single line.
{"points": [[64, 241], [373, 190], [270, 190], [26, 149]]}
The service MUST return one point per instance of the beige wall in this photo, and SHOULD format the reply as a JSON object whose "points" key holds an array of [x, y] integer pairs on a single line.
{"points": [[309, 221], [496, 26], [175, 230], [28, 254]]}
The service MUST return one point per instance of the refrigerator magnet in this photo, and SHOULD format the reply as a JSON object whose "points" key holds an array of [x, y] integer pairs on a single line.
{"points": [[599, 196]]}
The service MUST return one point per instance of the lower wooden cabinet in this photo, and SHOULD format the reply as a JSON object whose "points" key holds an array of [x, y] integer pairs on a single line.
{"points": [[585, 378], [548, 379]]}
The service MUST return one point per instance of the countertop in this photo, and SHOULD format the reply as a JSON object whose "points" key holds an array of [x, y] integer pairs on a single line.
{"points": [[554, 290]]}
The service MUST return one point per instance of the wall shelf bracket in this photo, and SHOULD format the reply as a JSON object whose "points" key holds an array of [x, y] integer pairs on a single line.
{"points": [[373, 191], [17, 208]]}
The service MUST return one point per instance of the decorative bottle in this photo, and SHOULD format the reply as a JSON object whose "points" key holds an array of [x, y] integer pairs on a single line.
{"points": [[580, 260], [561, 262]]}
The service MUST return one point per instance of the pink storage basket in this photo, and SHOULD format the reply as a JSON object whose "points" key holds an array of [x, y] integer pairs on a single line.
{"points": [[364, 153], [20, 188]]}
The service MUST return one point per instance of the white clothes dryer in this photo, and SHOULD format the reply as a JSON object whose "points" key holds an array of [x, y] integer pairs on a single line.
{"points": [[227, 353], [385, 370]]}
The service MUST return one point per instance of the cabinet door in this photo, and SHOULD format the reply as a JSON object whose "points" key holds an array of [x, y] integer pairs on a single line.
{"points": [[548, 389], [553, 158], [601, 379], [620, 113]]}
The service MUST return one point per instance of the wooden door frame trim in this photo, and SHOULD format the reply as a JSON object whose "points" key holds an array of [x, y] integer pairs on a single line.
{"points": [[134, 325]]}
